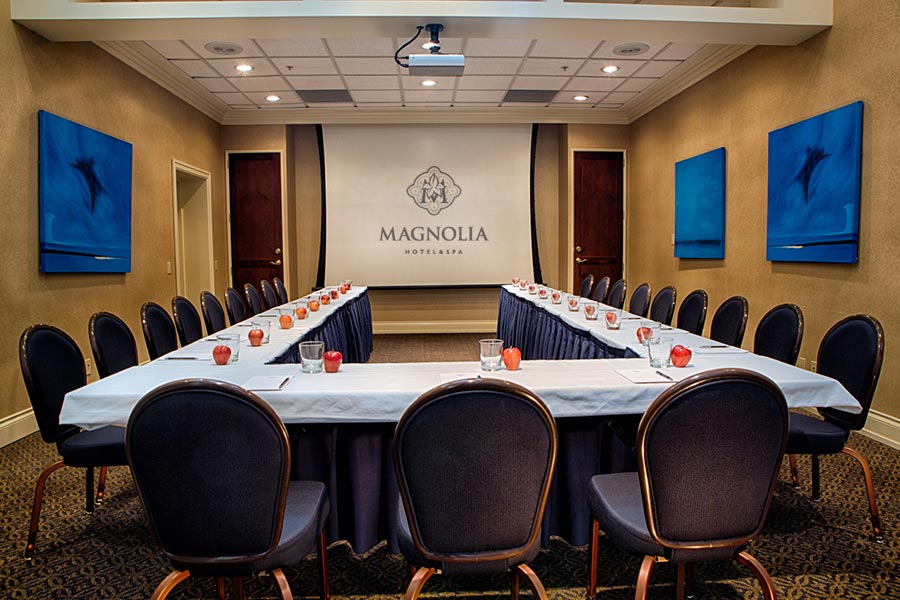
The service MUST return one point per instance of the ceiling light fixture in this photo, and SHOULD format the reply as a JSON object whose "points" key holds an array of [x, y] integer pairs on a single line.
{"points": [[429, 83], [610, 69], [273, 98], [581, 98], [243, 68], [224, 48]]}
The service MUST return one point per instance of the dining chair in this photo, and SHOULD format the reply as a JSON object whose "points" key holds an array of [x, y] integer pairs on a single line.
{"points": [[281, 291], [234, 304], [692, 312], [616, 297], [187, 320], [697, 495], [662, 309], [600, 290], [112, 344], [52, 366], [640, 300], [242, 516], [851, 352], [780, 333], [586, 284], [213, 313], [730, 321], [254, 300], [159, 330], [268, 293], [474, 461]]}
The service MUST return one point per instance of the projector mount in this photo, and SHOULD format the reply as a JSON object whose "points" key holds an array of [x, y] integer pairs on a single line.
{"points": [[433, 64]]}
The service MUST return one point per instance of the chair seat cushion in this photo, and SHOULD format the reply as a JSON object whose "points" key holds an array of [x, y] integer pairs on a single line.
{"points": [[104, 447], [809, 435], [305, 513], [615, 501]]}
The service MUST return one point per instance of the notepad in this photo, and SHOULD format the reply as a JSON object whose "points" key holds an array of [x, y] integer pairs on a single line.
{"points": [[644, 376], [267, 383]]}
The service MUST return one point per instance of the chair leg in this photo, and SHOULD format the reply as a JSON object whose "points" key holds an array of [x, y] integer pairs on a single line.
{"points": [[795, 478], [679, 581], [89, 490], [220, 588], [592, 564], [643, 582], [322, 550], [765, 580], [283, 586], [689, 579], [514, 584], [533, 581], [101, 485], [410, 572], [418, 582], [870, 491], [816, 491], [237, 588], [36, 509], [168, 584]]}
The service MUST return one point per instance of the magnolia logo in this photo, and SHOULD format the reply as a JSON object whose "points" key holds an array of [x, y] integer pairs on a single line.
{"points": [[433, 190]]}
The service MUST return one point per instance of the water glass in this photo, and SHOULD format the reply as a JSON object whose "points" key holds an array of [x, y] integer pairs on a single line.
{"points": [[490, 354], [646, 330], [233, 341], [265, 325], [532, 289], [556, 296], [311, 356], [574, 303], [660, 348], [591, 310], [286, 318], [542, 293], [613, 318]]}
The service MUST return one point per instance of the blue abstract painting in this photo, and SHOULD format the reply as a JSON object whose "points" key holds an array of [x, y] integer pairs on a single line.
{"points": [[814, 178], [700, 206], [85, 198]]}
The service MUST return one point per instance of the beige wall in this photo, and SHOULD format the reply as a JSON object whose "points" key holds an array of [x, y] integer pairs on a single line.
{"points": [[736, 108], [85, 84]]}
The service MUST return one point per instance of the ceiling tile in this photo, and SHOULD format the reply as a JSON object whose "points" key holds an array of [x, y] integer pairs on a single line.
{"points": [[484, 82], [595, 84], [415, 83], [606, 49], [551, 66], [215, 84], [250, 49], [494, 96], [371, 82], [172, 49], [233, 98], [305, 66], [492, 66], [636, 84], [657, 68], [195, 68], [260, 84], [376, 96], [569, 101], [621, 97], [539, 83], [562, 48], [294, 47], [496, 47], [627, 68], [287, 98], [315, 82], [361, 46], [679, 51], [366, 66], [225, 66], [428, 95]]}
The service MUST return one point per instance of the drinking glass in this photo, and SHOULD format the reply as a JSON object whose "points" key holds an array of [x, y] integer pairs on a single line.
{"points": [[556, 296], [574, 303], [490, 354], [542, 293], [311, 355], [286, 318], [660, 348], [233, 341], [265, 325], [613, 318], [646, 330], [591, 310]]}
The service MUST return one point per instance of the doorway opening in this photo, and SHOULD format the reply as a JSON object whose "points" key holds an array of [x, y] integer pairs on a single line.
{"points": [[194, 256]]}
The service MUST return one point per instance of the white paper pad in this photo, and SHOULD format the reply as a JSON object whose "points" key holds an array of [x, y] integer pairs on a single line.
{"points": [[267, 383], [446, 377], [644, 376], [716, 350]]}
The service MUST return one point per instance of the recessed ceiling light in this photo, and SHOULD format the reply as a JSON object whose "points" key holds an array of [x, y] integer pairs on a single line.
{"points": [[273, 98], [243, 68], [610, 69], [224, 48], [429, 83], [580, 98]]}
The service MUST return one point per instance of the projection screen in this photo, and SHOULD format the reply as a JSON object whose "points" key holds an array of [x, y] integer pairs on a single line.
{"points": [[427, 205]]}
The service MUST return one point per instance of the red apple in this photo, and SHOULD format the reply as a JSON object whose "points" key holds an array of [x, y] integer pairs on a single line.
{"points": [[644, 333], [334, 294], [344, 288], [332, 361], [522, 284], [314, 305], [589, 309], [256, 337], [515, 280], [286, 321], [300, 312], [555, 296], [680, 356], [511, 359], [325, 298], [611, 317], [221, 354]]}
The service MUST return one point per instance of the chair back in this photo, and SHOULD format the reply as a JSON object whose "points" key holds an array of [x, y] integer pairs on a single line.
{"points": [[692, 312], [281, 291], [663, 307], [254, 300], [211, 463], [159, 330], [640, 300], [586, 284], [269, 294], [730, 321], [187, 320], [112, 344], [474, 461], [780, 333], [852, 352], [213, 313], [600, 290], [52, 366], [709, 450], [237, 310], [616, 297]]}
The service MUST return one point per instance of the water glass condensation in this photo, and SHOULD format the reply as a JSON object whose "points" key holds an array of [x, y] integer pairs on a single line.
{"points": [[233, 341], [311, 356], [490, 353], [265, 325], [660, 349]]}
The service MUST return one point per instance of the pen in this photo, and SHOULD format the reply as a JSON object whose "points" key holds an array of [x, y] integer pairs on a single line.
{"points": [[181, 358], [664, 376], [284, 383], [719, 346]]}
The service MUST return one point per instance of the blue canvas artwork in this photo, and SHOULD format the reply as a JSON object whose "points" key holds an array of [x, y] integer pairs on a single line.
{"points": [[700, 206], [814, 179], [85, 198]]}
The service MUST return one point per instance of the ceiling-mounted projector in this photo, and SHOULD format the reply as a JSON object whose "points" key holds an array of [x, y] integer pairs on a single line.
{"points": [[436, 65]]}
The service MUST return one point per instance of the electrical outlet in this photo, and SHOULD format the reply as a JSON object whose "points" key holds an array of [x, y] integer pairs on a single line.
{"points": [[801, 362], [813, 366], [88, 367]]}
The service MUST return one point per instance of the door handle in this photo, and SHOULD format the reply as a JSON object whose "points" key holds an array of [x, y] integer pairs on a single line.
{"points": [[277, 263], [580, 260], [277, 251], [577, 248]]}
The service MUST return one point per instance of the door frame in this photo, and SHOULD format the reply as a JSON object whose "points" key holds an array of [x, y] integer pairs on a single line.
{"points": [[285, 261], [182, 167], [570, 233]]}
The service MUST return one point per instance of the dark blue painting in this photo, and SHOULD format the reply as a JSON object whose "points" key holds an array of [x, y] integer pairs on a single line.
{"points": [[814, 175], [700, 206], [85, 198]]}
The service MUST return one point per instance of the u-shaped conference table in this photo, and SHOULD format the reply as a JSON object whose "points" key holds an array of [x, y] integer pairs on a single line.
{"points": [[341, 424]]}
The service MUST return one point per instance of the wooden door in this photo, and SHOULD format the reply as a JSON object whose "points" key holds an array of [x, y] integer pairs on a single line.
{"points": [[254, 183], [598, 215]]}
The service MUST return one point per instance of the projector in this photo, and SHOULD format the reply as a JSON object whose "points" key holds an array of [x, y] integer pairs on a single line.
{"points": [[436, 65]]}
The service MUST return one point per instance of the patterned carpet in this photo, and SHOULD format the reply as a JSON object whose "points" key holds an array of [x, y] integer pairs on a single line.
{"points": [[813, 550]]}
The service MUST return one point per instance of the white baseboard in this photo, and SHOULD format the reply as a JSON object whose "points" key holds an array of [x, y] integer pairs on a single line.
{"points": [[883, 428], [435, 326], [16, 426]]}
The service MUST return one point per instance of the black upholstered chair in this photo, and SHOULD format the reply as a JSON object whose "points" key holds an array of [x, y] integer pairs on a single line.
{"points": [[254, 300], [159, 330], [52, 366], [112, 344], [640, 300], [600, 290], [780, 333], [242, 516], [586, 284], [280, 290], [662, 309], [474, 461], [187, 320], [616, 297], [851, 352], [709, 450], [730, 321], [692, 312], [234, 304], [268, 293], [213, 313]]}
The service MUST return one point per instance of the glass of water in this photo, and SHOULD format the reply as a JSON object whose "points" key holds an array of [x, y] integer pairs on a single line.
{"points": [[264, 325], [490, 354], [233, 341], [660, 348], [311, 355]]}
